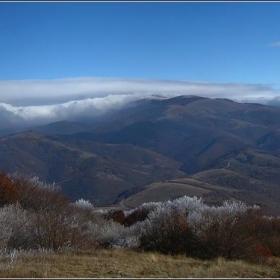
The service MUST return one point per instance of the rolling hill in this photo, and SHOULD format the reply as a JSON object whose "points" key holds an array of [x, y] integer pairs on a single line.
{"points": [[248, 175], [158, 149], [96, 172]]}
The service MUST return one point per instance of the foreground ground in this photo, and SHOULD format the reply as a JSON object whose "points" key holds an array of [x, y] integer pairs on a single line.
{"points": [[130, 264]]}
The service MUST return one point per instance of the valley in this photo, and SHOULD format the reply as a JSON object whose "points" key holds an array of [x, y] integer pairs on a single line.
{"points": [[155, 150]]}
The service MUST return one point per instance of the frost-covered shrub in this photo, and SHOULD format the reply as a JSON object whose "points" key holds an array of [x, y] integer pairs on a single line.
{"points": [[125, 240], [203, 217], [182, 205], [44, 219], [104, 232], [223, 231], [186, 204], [187, 225], [111, 234], [53, 222], [39, 196], [165, 230], [139, 214], [56, 230], [7, 223], [84, 204], [14, 227], [129, 237], [149, 206]]}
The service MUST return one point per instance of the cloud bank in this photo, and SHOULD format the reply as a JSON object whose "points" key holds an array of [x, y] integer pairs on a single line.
{"points": [[35, 102]]}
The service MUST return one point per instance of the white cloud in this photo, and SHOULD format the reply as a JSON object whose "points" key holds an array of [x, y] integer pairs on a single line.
{"points": [[33, 102], [276, 44]]}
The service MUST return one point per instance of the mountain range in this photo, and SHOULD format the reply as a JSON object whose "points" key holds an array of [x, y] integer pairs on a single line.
{"points": [[157, 149]]}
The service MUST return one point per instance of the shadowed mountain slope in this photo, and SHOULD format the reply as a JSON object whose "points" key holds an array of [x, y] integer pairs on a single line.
{"points": [[192, 130], [97, 172], [221, 148], [248, 175]]}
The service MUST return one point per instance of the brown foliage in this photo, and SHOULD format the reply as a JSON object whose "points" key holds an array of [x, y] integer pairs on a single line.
{"points": [[116, 216], [268, 234], [8, 190], [34, 195], [55, 230], [171, 235], [54, 221], [137, 216], [233, 238]]}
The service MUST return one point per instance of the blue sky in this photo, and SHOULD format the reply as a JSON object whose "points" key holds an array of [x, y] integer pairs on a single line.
{"points": [[191, 41], [220, 44]]}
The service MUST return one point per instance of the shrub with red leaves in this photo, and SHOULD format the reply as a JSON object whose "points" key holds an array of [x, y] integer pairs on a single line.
{"points": [[8, 191], [263, 252]]}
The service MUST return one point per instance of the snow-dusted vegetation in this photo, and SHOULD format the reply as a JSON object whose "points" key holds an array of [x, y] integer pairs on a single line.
{"points": [[36, 217]]}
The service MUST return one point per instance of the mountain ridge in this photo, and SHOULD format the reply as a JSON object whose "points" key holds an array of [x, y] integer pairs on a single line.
{"points": [[153, 141]]}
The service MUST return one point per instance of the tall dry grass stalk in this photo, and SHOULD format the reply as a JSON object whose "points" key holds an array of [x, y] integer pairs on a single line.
{"points": [[112, 263]]}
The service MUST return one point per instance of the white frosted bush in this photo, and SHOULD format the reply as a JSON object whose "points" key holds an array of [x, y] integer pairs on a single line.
{"points": [[104, 232], [187, 204], [34, 181], [129, 236], [147, 205], [13, 221], [204, 217], [84, 204]]}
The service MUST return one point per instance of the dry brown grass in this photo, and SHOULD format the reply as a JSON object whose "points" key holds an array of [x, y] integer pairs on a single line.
{"points": [[130, 264], [163, 191]]}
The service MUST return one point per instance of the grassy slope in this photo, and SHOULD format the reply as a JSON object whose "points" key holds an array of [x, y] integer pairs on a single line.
{"points": [[248, 175], [117, 264]]}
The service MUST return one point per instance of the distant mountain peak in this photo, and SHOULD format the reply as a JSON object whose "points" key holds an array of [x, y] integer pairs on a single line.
{"points": [[156, 96]]}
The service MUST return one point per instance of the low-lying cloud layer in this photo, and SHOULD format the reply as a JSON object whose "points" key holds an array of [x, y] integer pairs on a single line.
{"points": [[35, 102]]}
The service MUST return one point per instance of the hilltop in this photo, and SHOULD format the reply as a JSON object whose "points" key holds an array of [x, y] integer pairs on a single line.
{"points": [[158, 148]]}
